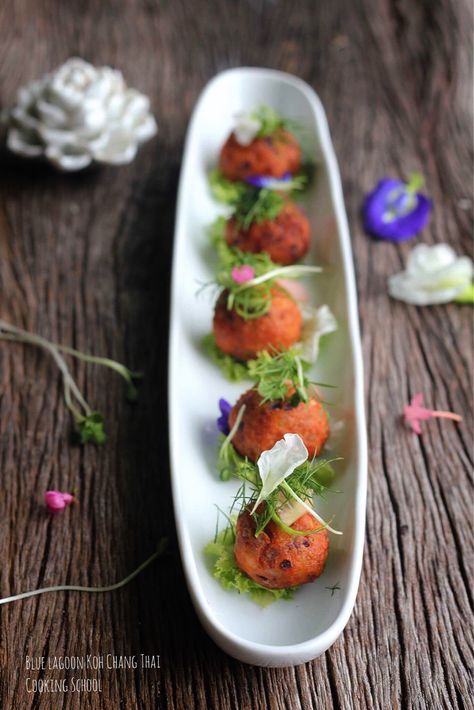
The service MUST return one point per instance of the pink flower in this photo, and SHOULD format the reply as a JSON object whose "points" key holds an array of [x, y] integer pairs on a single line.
{"points": [[414, 413], [56, 501], [242, 274]]}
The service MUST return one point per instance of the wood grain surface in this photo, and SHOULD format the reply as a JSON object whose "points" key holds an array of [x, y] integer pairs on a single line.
{"points": [[85, 260]]}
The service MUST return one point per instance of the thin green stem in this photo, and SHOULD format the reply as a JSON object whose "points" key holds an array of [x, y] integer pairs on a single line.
{"points": [[68, 381], [230, 435], [95, 590], [291, 531], [301, 378], [305, 505]]}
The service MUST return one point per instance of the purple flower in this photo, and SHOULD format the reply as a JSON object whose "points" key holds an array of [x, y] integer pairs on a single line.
{"points": [[268, 181], [223, 421], [395, 210]]}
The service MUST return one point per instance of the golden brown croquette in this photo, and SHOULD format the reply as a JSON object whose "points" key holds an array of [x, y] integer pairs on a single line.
{"points": [[279, 328], [273, 156], [276, 559], [264, 424], [285, 238]]}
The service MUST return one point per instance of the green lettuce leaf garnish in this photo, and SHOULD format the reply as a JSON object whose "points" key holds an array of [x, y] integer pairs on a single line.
{"points": [[225, 570], [234, 370], [224, 190]]}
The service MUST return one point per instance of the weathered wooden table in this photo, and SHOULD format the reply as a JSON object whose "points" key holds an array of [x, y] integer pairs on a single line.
{"points": [[85, 260]]}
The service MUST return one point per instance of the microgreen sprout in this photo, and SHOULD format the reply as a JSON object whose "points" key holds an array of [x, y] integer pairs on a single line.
{"points": [[257, 205], [262, 199], [122, 370], [253, 298], [302, 485], [247, 302], [231, 521], [306, 481], [160, 550], [89, 423], [277, 373]]}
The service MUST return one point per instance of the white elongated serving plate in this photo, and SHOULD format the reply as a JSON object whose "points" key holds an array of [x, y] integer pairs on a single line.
{"points": [[286, 632]]}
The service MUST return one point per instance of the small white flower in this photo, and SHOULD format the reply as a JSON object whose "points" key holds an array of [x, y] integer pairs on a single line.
{"points": [[246, 127], [433, 275], [80, 114], [316, 323], [278, 463]]}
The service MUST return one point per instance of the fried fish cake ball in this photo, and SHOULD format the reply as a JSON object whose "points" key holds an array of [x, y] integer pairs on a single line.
{"points": [[276, 559], [279, 328], [263, 424], [285, 238], [273, 155]]}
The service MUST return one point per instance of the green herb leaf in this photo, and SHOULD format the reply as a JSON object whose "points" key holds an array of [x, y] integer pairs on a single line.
{"points": [[257, 205], [224, 190], [228, 574], [275, 372], [91, 428], [270, 121]]}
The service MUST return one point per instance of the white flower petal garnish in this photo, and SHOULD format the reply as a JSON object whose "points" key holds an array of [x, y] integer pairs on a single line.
{"points": [[316, 323], [433, 275], [80, 114], [278, 463], [246, 127]]}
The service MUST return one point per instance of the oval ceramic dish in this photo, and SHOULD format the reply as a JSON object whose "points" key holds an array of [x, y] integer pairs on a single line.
{"points": [[286, 632]]}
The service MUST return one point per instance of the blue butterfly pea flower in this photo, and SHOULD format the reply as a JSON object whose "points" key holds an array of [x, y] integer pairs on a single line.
{"points": [[223, 421], [268, 181], [395, 210]]}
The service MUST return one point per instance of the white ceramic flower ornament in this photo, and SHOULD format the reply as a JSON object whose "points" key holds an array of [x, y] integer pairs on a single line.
{"points": [[434, 274], [78, 115]]}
